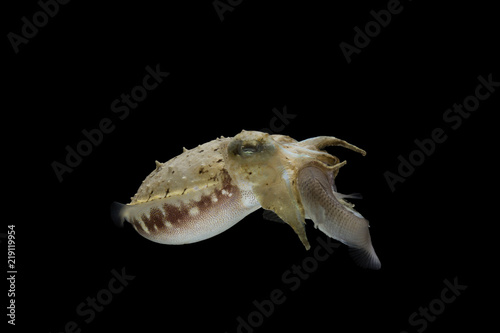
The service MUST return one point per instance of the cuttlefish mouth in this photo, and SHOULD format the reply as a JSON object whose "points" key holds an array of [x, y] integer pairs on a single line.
{"points": [[208, 189]]}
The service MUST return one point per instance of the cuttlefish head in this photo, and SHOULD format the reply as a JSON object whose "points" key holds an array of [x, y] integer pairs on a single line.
{"points": [[269, 166]]}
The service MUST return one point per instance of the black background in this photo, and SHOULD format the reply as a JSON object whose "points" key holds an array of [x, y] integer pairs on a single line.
{"points": [[226, 76]]}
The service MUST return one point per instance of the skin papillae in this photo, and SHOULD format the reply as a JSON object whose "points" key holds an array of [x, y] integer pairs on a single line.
{"points": [[208, 189]]}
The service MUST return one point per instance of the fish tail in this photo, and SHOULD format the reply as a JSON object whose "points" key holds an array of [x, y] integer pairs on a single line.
{"points": [[118, 213]]}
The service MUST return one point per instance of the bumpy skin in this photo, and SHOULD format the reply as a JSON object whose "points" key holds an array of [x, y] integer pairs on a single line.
{"points": [[189, 198], [208, 189]]}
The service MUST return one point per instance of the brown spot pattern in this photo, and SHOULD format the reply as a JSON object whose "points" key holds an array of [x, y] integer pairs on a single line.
{"points": [[178, 216]]}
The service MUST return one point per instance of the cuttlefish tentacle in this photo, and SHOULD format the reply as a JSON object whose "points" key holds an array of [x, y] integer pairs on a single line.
{"points": [[320, 142]]}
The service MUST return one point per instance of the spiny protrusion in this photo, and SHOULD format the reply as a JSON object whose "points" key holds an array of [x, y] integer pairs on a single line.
{"points": [[336, 166]]}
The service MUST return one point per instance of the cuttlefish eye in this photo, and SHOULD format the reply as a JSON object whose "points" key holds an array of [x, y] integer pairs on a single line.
{"points": [[245, 148], [249, 148]]}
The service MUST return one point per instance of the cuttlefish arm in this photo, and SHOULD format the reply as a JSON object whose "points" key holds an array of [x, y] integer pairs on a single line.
{"points": [[256, 162], [321, 142], [281, 198], [334, 216], [317, 144]]}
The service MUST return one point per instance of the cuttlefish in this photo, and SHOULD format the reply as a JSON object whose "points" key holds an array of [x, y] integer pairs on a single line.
{"points": [[206, 190]]}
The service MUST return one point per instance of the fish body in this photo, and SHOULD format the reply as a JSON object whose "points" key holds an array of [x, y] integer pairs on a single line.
{"points": [[208, 189]]}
